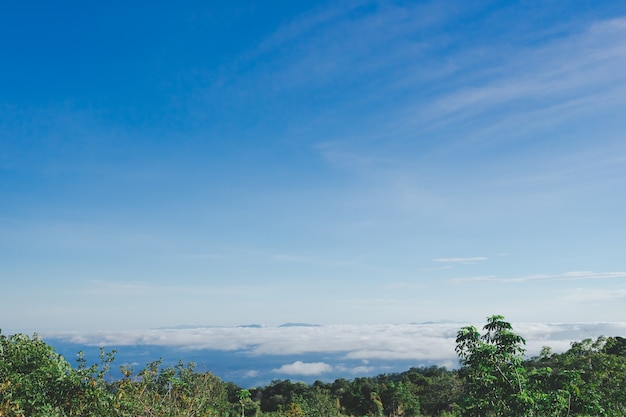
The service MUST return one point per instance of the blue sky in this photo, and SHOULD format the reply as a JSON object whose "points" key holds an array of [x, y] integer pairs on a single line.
{"points": [[324, 162]]}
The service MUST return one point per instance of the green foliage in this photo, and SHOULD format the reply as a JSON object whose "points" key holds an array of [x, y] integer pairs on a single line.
{"points": [[495, 378], [615, 346], [587, 380], [34, 379], [441, 391], [401, 400], [317, 401], [171, 391]]}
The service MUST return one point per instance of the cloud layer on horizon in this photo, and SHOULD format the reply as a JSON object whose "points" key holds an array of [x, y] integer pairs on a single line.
{"points": [[423, 342]]}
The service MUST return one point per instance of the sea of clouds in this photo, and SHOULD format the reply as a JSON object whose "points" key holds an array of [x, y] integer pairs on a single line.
{"points": [[253, 355]]}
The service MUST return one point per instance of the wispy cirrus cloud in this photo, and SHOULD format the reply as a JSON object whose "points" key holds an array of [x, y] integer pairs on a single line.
{"points": [[567, 276], [568, 74], [461, 260], [533, 88], [335, 44]]}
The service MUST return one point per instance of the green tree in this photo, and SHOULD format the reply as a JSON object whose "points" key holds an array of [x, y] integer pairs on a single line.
{"points": [[495, 380], [441, 392], [315, 402], [592, 380], [246, 404], [32, 375], [36, 381], [170, 391], [401, 400]]}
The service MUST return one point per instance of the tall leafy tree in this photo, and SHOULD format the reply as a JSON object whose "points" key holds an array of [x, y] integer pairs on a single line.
{"points": [[495, 378]]}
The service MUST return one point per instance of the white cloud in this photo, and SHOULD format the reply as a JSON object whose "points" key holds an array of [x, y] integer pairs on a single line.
{"points": [[461, 260], [541, 87], [303, 368], [567, 276], [336, 43], [573, 71]]}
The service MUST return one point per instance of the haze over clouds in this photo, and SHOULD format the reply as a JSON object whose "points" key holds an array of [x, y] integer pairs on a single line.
{"points": [[352, 163]]}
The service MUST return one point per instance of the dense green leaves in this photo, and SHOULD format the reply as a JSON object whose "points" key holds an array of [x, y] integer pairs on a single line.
{"points": [[34, 379], [590, 378], [587, 380], [495, 378]]}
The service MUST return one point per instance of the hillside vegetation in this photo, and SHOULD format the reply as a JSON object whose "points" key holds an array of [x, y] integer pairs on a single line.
{"points": [[495, 379]]}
